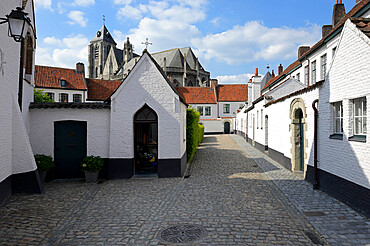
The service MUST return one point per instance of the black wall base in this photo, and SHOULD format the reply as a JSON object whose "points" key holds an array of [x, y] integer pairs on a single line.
{"points": [[5, 190], [213, 133], [120, 168], [29, 182], [168, 168], [259, 146], [281, 158], [352, 194]]}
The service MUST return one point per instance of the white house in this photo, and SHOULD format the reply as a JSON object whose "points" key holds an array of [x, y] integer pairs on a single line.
{"points": [[140, 127], [333, 77], [17, 165]]}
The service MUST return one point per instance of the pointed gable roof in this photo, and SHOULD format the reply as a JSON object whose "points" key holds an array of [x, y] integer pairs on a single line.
{"points": [[103, 35], [48, 77], [232, 93], [197, 95]]}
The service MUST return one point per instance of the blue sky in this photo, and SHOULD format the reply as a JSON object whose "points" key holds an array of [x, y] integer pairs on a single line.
{"points": [[231, 38]]}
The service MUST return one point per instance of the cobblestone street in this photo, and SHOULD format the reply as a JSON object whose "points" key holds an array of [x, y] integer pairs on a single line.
{"points": [[236, 193]]}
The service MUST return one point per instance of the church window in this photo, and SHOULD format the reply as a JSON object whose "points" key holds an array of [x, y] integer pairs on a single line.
{"points": [[51, 95], [323, 67], [313, 72], [176, 83], [63, 83], [77, 98], [96, 51], [338, 117], [63, 97], [207, 110], [226, 108], [200, 110], [306, 75], [359, 116]]}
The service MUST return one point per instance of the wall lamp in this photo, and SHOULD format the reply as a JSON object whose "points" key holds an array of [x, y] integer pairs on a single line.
{"points": [[18, 24]]}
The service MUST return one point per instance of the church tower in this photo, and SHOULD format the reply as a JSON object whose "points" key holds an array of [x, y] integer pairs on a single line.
{"points": [[127, 51], [99, 48]]}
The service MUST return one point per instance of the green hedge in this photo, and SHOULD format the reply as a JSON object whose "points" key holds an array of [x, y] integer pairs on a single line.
{"points": [[194, 132]]}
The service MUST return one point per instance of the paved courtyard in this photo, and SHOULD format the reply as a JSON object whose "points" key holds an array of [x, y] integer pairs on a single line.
{"points": [[237, 194]]}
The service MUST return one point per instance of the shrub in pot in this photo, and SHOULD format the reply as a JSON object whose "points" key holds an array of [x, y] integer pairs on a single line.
{"points": [[91, 165], [44, 163]]}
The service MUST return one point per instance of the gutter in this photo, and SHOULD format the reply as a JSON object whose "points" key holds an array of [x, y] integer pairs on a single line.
{"points": [[315, 170]]}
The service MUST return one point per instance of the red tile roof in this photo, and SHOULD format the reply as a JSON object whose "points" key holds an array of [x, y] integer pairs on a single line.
{"points": [[101, 90], [48, 77], [363, 24], [232, 93], [197, 95], [287, 70]]}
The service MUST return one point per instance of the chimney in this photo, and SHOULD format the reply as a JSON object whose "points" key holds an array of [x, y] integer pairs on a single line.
{"points": [[302, 50], [338, 13], [214, 84], [256, 72], [326, 29], [280, 69], [273, 74], [80, 68]]}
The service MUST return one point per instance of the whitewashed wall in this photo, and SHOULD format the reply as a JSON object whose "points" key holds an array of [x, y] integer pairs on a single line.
{"points": [[98, 126], [69, 92], [15, 151], [234, 107], [145, 85], [346, 81], [214, 125], [213, 110]]}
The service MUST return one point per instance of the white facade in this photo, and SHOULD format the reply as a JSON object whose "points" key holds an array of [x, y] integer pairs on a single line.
{"points": [[56, 94]]}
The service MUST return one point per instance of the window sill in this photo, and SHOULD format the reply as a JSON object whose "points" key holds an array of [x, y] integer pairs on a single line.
{"points": [[337, 136], [358, 138]]}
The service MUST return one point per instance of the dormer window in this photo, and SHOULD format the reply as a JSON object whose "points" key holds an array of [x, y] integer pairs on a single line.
{"points": [[63, 83]]}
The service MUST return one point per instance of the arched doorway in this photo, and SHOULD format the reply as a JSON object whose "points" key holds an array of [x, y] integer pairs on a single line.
{"points": [[298, 138], [146, 141], [227, 127]]}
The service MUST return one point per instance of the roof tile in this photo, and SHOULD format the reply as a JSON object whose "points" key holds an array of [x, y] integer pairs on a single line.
{"points": [[197, 95], [101, 90], [232, 93]]}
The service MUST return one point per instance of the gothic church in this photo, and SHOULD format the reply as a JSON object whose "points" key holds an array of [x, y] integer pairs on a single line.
{"points": [[108, 62]]}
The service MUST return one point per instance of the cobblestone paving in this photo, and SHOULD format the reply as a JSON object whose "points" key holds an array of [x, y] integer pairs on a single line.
{"points": [[338, 223], [227, 194]]}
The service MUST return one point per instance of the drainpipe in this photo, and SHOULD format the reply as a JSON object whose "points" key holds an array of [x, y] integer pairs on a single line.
{"points": [[316, 182]]}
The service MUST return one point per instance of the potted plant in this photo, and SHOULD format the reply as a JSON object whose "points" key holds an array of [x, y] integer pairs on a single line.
{"points": [[91, 165], [44, 163]]}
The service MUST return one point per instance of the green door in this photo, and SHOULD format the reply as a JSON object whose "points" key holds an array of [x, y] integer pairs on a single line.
{"points": [[301, 144], [227, 127], [69, 148]]}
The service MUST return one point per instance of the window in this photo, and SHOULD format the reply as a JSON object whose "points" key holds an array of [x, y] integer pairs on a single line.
{"points": [[63, 83], [77, 98], [338, 117], [208, 110], [63, 97], [323, 66], [28, 54], [313, 72], [359, 116], [334, 50], [226, 108], [261, 118], [306, 75], [51, 95], [298, 76], [258, 119], [200, 109]]}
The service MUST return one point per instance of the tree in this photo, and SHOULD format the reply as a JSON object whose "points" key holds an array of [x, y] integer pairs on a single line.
{"points": [[41, 96]]}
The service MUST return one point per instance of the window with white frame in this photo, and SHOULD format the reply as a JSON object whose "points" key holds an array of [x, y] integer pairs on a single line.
{"points": [[226, 108], [313, 72], [200, 110], [306, 75], [359, 116], [63, 97], [207, 110], [337, 117], [323, 67], [51, 95], [63, 83], [258, 119], [298, 76], [261, 118], [77, 98]]}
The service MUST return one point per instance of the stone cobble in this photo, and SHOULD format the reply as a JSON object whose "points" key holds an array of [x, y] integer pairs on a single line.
{"points": [[235, 200], [337, 222]]}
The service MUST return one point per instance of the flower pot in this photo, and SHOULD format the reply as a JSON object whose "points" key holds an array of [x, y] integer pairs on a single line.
{"points": [[91, 176], [42, 176]]}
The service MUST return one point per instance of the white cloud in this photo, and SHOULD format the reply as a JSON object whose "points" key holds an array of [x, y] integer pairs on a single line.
{"points": [[215, 21], [43, 4], [253, 41], [129, 12], [83, 3], [77, 17], [64, 52], [234, 79], [123, 2]]}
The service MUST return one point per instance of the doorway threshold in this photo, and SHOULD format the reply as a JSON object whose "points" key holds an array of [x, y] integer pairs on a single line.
{"points": [[145, 175]]}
